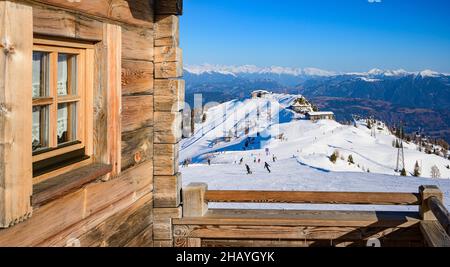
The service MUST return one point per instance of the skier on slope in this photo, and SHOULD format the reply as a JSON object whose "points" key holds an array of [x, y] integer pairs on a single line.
{"points": [[240, 161], [267, 166], [248, 169]]}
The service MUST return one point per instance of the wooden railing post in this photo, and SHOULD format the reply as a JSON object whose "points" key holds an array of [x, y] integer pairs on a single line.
{"points": [[427, 191], [194, 202]]}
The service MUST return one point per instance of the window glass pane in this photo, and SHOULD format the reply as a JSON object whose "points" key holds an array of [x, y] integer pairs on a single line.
{"points": [[40, 127], [40, 74], [67, 74], [67, 122]]}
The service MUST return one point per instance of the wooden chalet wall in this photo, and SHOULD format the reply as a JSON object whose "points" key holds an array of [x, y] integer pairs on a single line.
{"points": [[137, 101]]}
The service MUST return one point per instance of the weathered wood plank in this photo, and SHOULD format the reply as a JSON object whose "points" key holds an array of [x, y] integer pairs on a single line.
{"points": [[130, 181], [167, 31], [16, 47], [56, 22], [113, 41], [166, 159], [167, 191], [355, 198], [137, 12], [168, 69], [167, 127], [194, 202], [120, 228], [294, 232], [137, 147], [440, 212], [168, 54], [427, 191], [303, 243], [137, 77], [434, 234], [46, 221], [61, 185], [137, 112], [169, 95], [137, 44], [76, 230], [143, 239], [162, 224], [304, 217]]}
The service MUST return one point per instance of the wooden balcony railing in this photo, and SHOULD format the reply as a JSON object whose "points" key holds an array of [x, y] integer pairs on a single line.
{"points": [[432, 221]]}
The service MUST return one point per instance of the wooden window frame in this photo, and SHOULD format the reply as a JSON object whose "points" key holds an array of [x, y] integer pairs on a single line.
{"points": [[84, 99]]}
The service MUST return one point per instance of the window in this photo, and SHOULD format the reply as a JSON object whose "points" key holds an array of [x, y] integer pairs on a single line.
{"points": [[61, 107]]}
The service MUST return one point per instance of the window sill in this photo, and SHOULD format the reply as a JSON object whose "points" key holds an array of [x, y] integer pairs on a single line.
{"points": [[63, 184]]}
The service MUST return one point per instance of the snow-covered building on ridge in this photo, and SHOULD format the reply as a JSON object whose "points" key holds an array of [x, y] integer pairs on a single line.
{"points": [[301, 105], [260, 94], [320, 115]]}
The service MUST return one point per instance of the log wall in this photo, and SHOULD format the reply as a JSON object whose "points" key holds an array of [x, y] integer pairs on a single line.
{"points": [[138, 96]]}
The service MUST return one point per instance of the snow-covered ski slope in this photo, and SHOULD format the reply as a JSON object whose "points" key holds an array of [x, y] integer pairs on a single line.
{"points": [[302, 149]]}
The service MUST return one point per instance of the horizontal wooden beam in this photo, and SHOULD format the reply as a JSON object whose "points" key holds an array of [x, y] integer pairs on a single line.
{"points": [[353, 198]]}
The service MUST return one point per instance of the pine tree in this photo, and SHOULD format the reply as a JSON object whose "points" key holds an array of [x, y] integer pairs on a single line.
{"points": [[417, 169], [350, 159], [403, 172]]}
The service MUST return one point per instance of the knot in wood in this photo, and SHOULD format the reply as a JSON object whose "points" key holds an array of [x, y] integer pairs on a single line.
{"points": [[7, 47]]}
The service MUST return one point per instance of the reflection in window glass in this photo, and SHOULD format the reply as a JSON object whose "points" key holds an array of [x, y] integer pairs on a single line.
{"points": [[40, 128], [40, 74], [67, 122], [67, 73]]}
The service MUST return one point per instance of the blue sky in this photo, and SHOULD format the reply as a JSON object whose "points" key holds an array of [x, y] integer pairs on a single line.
{"points": [[337, 35]]}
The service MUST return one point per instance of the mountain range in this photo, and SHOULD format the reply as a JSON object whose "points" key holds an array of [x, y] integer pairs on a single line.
{"points": [[419, 100]]}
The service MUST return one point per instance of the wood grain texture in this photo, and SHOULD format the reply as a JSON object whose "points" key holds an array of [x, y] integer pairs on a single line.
{"points": [[55, 22], [434, 234], [137, 147], [295, 232], [194, 201], [137, 44], [113, 41], [121, 228], [168, 69], [166, 159], [143, 239], [440, 212], [355, 198], [135, 12], [303, 217], [16, 46], [167, 191], [137, 77], [168, 54], [137, 112], [217, 243], [69, 216], [167, 31], [167, 127], [426, 192], [61, 185], [169, 95]]}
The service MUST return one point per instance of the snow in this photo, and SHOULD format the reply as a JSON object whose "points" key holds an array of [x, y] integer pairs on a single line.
{"points": [[252, 69], [302, 149], [320, 113]]}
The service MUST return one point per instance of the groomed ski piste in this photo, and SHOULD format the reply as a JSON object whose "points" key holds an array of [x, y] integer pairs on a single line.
{"points": [[256, 130]]}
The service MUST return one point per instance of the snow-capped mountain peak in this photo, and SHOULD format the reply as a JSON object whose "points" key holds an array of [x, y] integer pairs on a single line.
{"points": [[235, 70]]}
